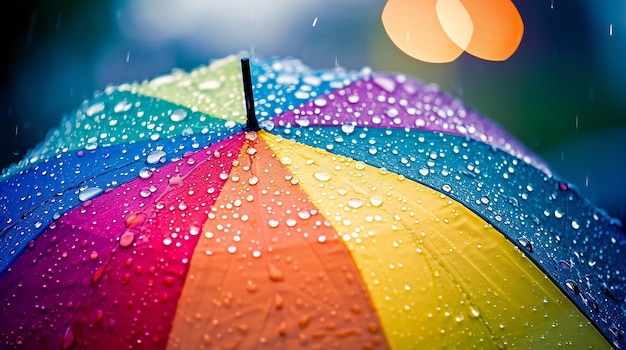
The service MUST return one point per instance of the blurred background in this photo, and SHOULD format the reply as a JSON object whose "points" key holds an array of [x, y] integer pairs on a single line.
{"points": [[563, 93]]}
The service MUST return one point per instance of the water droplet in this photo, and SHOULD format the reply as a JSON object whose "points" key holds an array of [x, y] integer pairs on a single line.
{"points": [[575, 225], [89, 193], [322, 176], [145, 173], [123, 106], [573, 286], [473, 311], [304, 215], [347, 128], [526, 243], [355, 203], [267, 125], [285, 160], [211, 84], [273, 223], [303, 122], [353, 99], [275, 274], [392, 112], [278, 301], [178, 115], [320, 102], [194, 230], [253, 180], [145, 192], [376, 201], [385, 83], [68, 338], [155, 157], [134, 220], [126, 239], [232, 249], [175, 180], [321, 238], [96, 108], [446, 187]]}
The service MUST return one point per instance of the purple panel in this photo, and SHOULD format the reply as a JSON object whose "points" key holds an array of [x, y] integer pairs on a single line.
{"points": [[398, 101]]}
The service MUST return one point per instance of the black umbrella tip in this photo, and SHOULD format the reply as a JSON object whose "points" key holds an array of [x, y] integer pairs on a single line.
{"points": [[252, 123]]}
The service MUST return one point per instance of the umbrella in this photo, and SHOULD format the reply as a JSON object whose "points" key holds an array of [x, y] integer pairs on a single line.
{"points": [[309, 209]]}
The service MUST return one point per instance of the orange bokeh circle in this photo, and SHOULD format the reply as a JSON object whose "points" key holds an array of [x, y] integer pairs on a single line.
{"points": [[439, 31]]}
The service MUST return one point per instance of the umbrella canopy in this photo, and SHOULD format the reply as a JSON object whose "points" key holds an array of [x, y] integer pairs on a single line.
{"points": [[364, 210]]}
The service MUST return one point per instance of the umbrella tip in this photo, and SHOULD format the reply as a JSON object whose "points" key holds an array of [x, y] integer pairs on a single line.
{"points": [[251, 122]]}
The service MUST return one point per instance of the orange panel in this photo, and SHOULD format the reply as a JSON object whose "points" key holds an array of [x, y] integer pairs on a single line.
{"points": [[270, 271]]}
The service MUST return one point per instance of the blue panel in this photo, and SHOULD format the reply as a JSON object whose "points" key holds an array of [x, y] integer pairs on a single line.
{"points": [[576, 244], [282, 85], [32, 198]]}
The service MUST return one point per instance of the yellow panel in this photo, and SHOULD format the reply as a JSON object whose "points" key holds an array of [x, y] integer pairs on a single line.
{"points": [[215, 90], [438, 275]]}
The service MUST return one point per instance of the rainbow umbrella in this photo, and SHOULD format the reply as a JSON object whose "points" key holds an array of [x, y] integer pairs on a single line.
{"points": [[360, 210]]}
